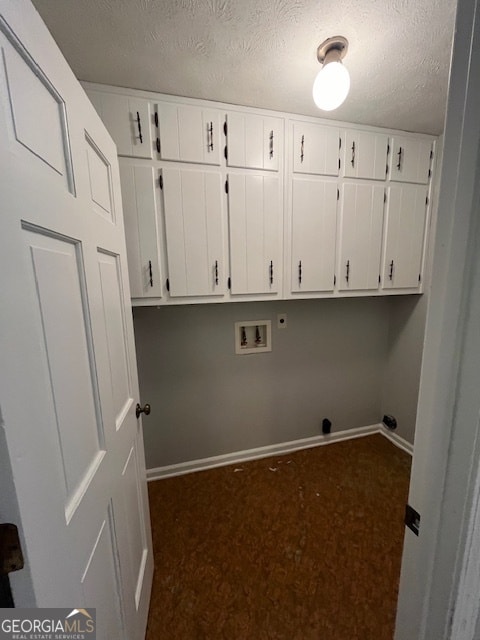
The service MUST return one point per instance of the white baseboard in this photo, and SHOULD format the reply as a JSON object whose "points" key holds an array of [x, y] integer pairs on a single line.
{"points": [[274, 450], [260, 452], [397, 440]]}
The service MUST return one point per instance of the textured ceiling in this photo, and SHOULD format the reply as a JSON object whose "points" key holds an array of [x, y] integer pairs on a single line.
{"points": [[263, 52]]}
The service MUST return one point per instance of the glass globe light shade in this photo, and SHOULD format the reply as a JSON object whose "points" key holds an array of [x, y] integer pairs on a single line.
{"points": [[331, 86]]}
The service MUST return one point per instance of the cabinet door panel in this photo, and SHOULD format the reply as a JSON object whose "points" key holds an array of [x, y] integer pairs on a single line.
{"points": [[316, 149], [410, 161], [365, 155], [360, 236], [253, 142], [194, 232], [141, 229], [255, 216], [405, 229], [189, 134], [314, 219], [125, 118]]}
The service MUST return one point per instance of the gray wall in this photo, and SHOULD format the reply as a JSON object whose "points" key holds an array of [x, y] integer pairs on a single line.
{"points": [[207, 401], [403, 363]]}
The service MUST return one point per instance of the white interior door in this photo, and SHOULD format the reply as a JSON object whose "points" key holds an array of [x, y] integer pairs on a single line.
{"points": [[68, 380]]}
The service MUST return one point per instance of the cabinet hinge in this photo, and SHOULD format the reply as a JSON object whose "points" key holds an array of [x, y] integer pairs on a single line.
{"points": [[384, 196], [339, 163], [431, 154], [225, 128], [386, 170], [156, 119], [429, 173], [412, 519], [339, 143], [338, 194], [167, 284], [419, 277], [160, 181], [158, 145], [334, 280], [225, 153], [379, 279], [226, 186], [229, 283], [388, 149], [427, 200]]}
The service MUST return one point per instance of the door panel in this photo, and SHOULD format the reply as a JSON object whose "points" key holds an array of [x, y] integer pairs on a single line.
{"points": [[189, 133], [128, 121], [365, 155], [32, 99], [139, 186], [410, 160], [255, 217], [253, 142], [360, 236], [137, 544], [101, 572], [68, 381], [111, 288], [56, 267], [99, 173], [314, 223], [316, 149], [194, 231], [404, 236]]}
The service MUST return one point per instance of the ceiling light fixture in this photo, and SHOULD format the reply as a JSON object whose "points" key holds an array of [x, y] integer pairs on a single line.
{"points": [[332, 83]]}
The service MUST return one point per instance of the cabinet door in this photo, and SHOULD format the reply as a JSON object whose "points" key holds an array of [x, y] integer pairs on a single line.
{"points": [[361, 236], [194, 232], [404, 236], [128, 121], [410, 160], [365, 155], [316, 149], [255, 216], [254, 142], [141, 229], [314, 219], [188, 133]]}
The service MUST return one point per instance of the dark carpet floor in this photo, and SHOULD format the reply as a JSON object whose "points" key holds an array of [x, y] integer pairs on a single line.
{"points": [[299, 547]]}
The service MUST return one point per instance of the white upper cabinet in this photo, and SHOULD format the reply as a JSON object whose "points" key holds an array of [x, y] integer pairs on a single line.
{"points": [[128, 121], [316, 149], [360, 236], [365, 155], [139, 195], [194, 232], [188, 133], [254, 142], [404, 236], [410, 160], [255, 216], [314, 220]]}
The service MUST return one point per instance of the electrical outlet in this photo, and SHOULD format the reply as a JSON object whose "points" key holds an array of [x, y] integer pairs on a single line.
{"points": [[282, 321]]}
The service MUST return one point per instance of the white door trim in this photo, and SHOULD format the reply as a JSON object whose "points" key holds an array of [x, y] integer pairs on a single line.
{"points": [[441, 484]]}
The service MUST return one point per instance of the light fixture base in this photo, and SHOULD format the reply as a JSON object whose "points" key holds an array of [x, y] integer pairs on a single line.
{"points": [[337, 43]]}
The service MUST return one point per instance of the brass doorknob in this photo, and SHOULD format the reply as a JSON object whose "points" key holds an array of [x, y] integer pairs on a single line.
{"points": [[146, 410]]}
